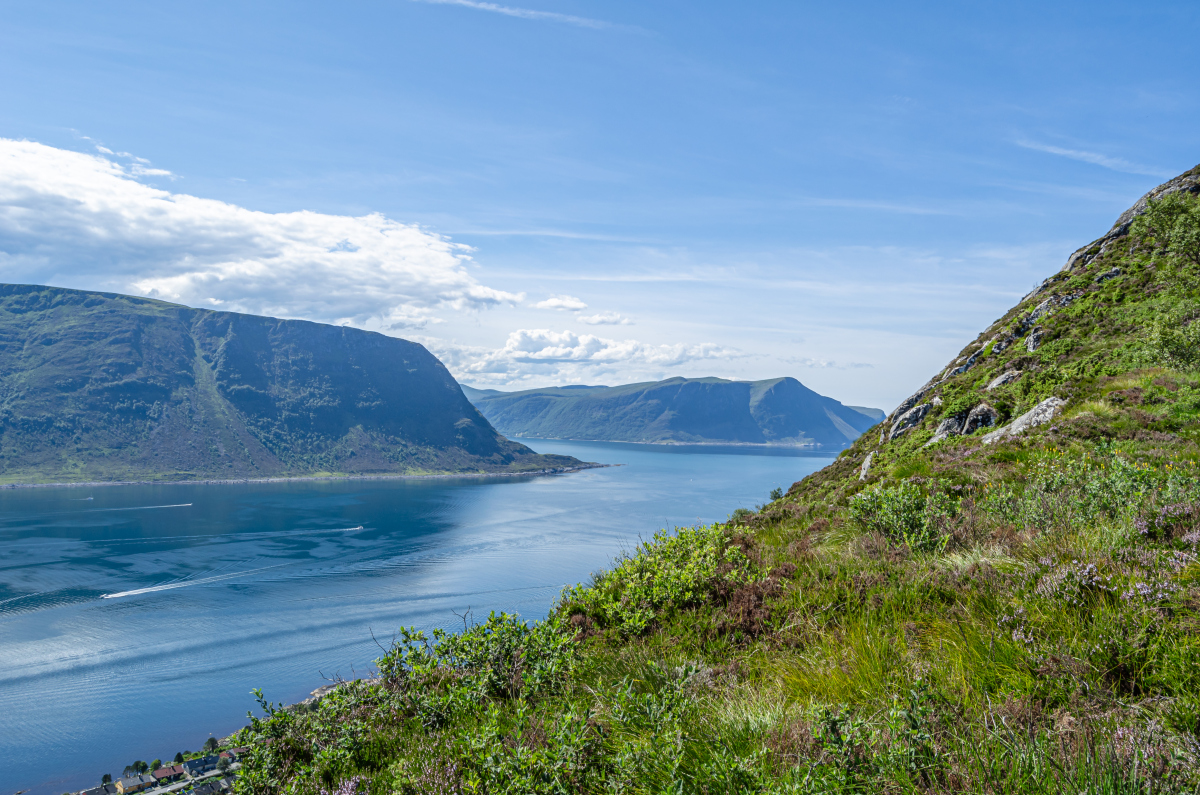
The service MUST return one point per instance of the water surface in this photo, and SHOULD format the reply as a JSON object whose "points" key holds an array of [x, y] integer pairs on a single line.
{"points": [[134, 620]]}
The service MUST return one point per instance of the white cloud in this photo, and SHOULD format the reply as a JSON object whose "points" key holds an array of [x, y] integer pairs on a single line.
{"points": [[561, 302], [526, 13], [1096, 159], [69, 217], [605, 319], [565, 354]]}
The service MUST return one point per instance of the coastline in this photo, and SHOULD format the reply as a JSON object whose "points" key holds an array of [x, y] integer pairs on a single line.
{"points": [[299, 478], [675, 443]]}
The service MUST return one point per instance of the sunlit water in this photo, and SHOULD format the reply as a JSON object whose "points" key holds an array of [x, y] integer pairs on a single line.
{"points": [[134, 620]]}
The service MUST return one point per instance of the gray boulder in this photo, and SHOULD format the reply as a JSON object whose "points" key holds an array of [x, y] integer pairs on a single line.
{"points": [[909, 420], [951, 426], [866, 466], [1040, 414], [1004, 378], [982, 416], [1109, 274], [1034, 340]]}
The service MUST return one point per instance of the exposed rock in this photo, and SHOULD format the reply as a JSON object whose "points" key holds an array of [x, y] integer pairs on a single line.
{"points": [[1004, 378], [909, 419], [909, 402], [982, 416], [1040, 414], [1109, 274], [866, 466], [951, 426], [1034, 341], [1001, 341]]}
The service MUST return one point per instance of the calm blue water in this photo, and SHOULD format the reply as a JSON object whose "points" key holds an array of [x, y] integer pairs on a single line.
{"points": [[214, 590]]}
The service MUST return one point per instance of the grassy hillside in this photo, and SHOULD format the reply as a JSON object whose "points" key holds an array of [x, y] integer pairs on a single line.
{"points": [[696, 410], [973, 598], [98, 386]]}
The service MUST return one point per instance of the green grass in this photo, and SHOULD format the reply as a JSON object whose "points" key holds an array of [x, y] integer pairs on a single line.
{"points": [[1017, 618]]}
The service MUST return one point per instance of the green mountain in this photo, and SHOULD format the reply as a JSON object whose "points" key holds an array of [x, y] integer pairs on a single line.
{"points": [[997, 592], [678, 410], [98, 387]]}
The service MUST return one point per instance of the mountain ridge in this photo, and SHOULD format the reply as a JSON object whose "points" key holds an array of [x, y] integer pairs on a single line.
{"points": [[104, 386], [678, 410]]}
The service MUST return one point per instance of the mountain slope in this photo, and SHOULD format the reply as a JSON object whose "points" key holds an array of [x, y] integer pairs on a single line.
{"points": [[997, 591], [98, 386], [696, 410]]}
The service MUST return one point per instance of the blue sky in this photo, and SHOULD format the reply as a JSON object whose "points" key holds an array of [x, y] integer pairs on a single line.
{"points": [[579, 192]]}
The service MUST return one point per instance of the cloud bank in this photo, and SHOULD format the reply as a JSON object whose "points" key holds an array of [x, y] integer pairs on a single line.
{"points": [[82, 219], [542, 352]]}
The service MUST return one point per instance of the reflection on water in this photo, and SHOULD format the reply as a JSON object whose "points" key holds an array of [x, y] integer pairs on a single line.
{"points": [[134, 620]]}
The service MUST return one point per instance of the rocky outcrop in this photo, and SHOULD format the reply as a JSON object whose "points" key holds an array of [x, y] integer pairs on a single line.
{"points": [[909, 420], [951, 426], [866, 466], [982, 416], [1004, 378], [1034, 340], [1040, 414]]}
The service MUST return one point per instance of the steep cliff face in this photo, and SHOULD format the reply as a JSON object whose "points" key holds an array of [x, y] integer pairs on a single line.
{"points": [[98, 386], [696, 410]]}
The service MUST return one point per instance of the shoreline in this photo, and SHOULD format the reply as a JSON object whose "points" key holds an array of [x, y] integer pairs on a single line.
{"points": [[299, 478], [815, 447]]}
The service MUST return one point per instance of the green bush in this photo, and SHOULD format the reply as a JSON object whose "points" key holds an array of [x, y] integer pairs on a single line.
{"points": [[668, 573], [905, 514]]}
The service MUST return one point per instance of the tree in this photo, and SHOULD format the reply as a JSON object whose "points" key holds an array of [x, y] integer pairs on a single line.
{"points": [[156, 764], [1172, 224], [179, 758], [106, 778], [140, 767], [223, 764], [211, 744]]}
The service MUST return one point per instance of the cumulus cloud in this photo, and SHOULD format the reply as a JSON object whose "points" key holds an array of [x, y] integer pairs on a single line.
{"points": [[84, 219], [605, 319], [542, 352], [561, 302]]}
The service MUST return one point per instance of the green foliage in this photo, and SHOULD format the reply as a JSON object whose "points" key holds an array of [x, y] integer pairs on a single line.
{"points": [[1174, 344], [905, 514], [1172, 223], [666, 574]]}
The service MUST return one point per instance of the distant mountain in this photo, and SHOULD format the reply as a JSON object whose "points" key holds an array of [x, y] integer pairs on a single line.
{"points": [[99, 386], [692, 410]]}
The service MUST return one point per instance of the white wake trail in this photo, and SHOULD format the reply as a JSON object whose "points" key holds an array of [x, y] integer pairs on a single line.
{"points": [[140, 508], [172, 585]]}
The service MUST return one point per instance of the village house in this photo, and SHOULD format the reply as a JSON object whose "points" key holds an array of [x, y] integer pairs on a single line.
{"points": [[165, 774], [197, 767], [134, 783]]}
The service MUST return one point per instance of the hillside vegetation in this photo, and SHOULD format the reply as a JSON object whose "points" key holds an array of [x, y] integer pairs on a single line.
{"points": [[997, 590], [98, 386], [678, 410]]}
